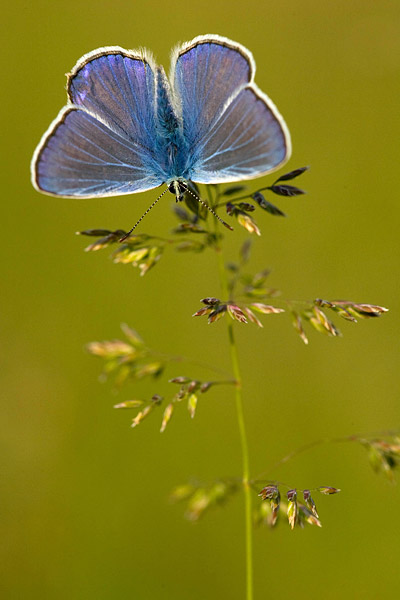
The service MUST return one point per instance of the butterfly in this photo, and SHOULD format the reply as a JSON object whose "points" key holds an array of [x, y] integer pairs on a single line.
{"points": [[127, 128]]}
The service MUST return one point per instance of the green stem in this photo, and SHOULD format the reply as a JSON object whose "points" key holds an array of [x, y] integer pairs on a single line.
{"points": [[242, 433]]}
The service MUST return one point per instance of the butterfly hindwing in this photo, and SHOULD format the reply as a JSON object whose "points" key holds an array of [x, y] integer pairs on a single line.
{"points": [[205, 74], [118, 86]]}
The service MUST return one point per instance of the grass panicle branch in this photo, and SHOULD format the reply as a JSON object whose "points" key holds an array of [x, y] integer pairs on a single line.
{"points": [[383, 449]]}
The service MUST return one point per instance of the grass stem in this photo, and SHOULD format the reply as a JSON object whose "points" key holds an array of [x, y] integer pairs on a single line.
{"points": [[242, 432]]}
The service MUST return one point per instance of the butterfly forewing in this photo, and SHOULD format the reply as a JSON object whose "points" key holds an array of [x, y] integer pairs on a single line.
{"points": [[246, 141], [83, 157]]}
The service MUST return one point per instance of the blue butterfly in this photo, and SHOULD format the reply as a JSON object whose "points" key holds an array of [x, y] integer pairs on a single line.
{"points": [[128, 128]]}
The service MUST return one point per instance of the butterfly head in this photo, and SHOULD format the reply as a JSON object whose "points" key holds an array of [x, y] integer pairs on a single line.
{"points": [[178, 189]]}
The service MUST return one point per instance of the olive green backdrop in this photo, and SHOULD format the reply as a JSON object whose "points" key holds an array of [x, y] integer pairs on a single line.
{"points": [[84, 497]]}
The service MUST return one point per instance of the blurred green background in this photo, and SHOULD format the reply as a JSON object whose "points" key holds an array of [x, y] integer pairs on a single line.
{"points": [[84, 499]]}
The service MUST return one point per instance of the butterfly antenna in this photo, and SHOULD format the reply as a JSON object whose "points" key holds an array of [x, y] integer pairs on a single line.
{"points": [[212, 211], [143, 216]]}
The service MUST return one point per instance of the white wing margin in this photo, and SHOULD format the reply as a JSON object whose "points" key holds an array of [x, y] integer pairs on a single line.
{"points": [[234, 131]]}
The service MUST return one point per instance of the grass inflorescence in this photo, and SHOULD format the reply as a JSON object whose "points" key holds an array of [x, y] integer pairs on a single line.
{"points": [[244, 297]]}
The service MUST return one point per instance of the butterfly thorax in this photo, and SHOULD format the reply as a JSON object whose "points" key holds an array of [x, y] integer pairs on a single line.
{"points": [[171, 141]]}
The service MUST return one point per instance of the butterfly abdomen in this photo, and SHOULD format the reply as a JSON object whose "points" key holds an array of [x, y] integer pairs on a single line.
{"points": [[169, 129]]}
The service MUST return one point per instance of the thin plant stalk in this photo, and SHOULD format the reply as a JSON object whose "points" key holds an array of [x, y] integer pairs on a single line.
{"points": [[339, 440], [242, 433]]}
